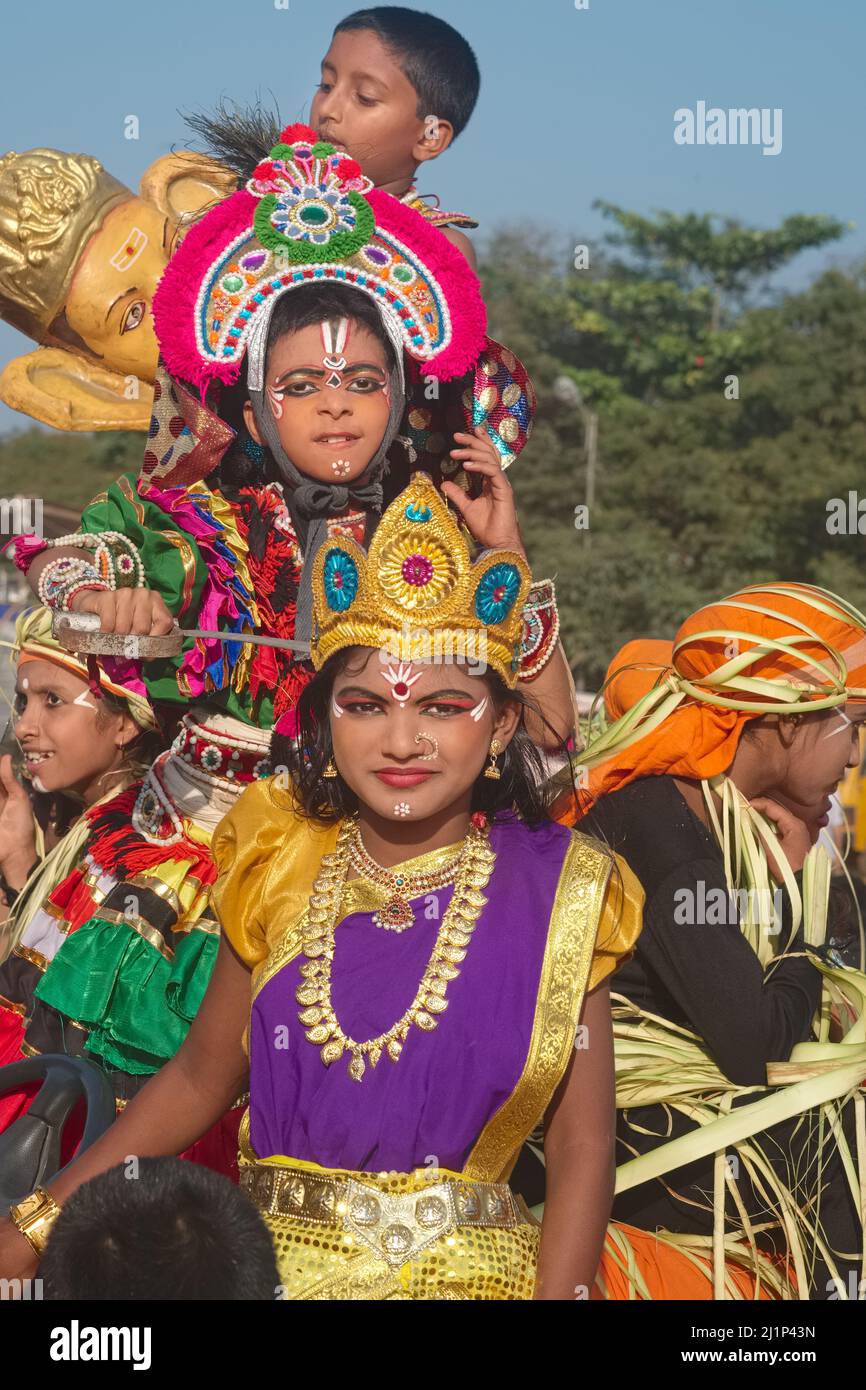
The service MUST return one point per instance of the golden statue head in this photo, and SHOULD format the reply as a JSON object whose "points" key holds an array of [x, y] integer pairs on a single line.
{"points": [[80, 259]]}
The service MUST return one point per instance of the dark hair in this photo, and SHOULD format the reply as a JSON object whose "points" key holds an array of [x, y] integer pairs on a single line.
{"points": [[437, 60], [175, 1231], [294, 311], [147, 743], [306, 754]]}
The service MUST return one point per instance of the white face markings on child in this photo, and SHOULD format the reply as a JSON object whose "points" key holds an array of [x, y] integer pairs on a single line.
{"points": [[401, 680], [335, 338], [275, 397], [342, 467]]}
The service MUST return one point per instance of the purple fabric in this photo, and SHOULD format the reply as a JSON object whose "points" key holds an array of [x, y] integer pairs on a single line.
{"points": [[431, 1105]]}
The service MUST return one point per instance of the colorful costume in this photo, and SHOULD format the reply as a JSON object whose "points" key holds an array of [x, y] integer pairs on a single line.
{"points": [[232, 558], [339, 1156], [115, 937], [732, 989], [397, 1187]]}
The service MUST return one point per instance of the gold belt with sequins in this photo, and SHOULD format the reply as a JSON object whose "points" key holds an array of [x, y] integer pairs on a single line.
{"points": [[396, 1226]]}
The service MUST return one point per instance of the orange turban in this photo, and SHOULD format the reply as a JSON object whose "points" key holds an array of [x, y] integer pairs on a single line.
{"points": [[771, 648]]}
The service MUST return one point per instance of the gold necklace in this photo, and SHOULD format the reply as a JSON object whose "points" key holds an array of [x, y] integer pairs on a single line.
{"points": [[397, 914], [318, 929]]}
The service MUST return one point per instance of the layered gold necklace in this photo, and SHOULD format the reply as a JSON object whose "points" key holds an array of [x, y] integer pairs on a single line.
{"points": [[400, 887], [473, 868]]}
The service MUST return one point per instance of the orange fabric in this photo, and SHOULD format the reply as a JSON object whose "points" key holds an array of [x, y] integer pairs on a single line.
{"points": [[635, 669], [668, 1273], [699, 740]]}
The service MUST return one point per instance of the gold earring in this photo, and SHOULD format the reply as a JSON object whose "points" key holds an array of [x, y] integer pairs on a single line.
{"points": [[330, 769], [492, 771]]}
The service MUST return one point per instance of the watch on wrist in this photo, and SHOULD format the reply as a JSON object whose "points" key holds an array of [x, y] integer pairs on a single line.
{"points": [[34, 1216]]}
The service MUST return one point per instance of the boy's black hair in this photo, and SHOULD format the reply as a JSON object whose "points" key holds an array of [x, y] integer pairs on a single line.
{"points": [[436, 59], [176, 1231], [306, 754]]}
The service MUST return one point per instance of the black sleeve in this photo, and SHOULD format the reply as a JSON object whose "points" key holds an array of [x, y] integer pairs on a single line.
{"points": [[745, 1017]]}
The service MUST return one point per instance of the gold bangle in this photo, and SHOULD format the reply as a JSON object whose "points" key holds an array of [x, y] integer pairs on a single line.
{"points": [[35, 1216]]}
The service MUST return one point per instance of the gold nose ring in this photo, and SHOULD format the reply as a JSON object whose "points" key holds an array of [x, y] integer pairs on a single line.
{"points": [[433, 741]]}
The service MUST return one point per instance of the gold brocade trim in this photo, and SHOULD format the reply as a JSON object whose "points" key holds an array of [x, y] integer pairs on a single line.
{"points": [[12, 1006], [565, 969], [203, 924], [187, 559], [150, 934], [35, 957], [358, 895], [126, 490], [159, 889], [89, 881]]}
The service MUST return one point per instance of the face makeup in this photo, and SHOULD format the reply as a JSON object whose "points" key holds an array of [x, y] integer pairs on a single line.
{"points": [[342, 467], [402, 808], [479, 709], [335, 336], [336, 709], [401, 681], [275, 397]]}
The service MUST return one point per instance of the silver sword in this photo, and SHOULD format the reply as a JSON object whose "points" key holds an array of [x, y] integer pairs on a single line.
{"points": [[81, 633]]}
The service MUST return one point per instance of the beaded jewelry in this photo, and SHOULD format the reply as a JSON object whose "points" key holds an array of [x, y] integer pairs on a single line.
{"points": [[322, 1027], [118, 564], [62, 578], [540, 629], [397, 914]]}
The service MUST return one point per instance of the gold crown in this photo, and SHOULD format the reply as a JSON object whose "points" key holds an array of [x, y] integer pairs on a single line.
{"points": [[418, 593]]}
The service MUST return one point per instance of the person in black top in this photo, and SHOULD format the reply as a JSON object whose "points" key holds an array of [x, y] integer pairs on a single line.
{"points": [[694, 964]]}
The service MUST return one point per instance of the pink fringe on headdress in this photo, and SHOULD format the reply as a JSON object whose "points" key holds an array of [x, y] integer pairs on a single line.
{"points": [[460, 284], [174, 304]]}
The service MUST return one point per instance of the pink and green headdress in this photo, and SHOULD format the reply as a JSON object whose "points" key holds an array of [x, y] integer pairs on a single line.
{"points": [[309, 214]]}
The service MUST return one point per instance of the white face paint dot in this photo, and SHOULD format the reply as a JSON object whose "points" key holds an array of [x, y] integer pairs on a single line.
{"points": [[402, 808], [342, 467]]}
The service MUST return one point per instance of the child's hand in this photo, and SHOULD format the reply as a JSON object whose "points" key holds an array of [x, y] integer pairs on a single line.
{"points": [[17, 828], [138, 611], [492, 517]]}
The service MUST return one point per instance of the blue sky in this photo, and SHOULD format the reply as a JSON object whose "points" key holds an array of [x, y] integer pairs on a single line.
{"points": [[575, 104]]}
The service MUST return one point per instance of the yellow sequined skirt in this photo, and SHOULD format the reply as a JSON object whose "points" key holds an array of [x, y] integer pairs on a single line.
{"points": [[428, 1234]]}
